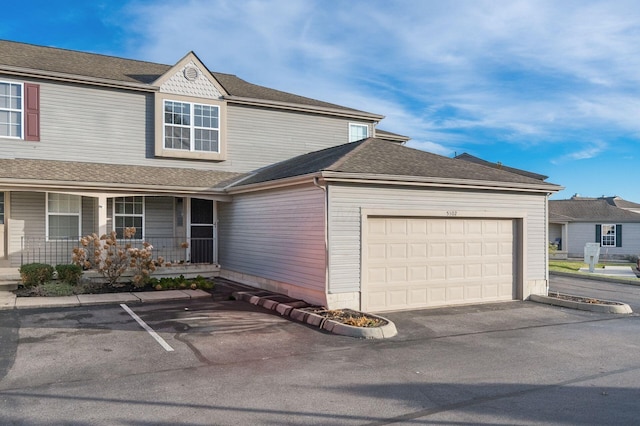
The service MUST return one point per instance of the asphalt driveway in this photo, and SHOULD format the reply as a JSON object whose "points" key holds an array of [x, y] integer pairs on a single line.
{"points": [[233, 363]]}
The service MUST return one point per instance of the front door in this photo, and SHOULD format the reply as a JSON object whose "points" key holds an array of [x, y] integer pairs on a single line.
{"points": [[202, 231]]}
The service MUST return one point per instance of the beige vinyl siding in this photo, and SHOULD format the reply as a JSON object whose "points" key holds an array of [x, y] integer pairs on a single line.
{"points": [[277, 235], [105, 125], [158, 216], [27, 220], [89, 216], [259, 136], [346, 202], [581, 233]]}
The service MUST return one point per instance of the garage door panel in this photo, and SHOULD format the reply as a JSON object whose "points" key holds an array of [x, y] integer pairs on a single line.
{"points": [[422, 262], [417, 273], [396, 251]]}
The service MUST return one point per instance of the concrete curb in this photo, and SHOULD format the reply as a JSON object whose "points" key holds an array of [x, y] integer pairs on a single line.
{"points": [[295, 309], [99, 299], [619, 308]]}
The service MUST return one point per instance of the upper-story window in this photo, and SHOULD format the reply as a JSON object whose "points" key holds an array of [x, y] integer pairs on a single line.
{"points": [[358, 132], [191, 127], [11, 110], [20, 111]]}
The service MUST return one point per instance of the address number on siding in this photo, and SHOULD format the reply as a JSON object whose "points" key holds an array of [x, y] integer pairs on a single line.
{"points": [[452, 213]]}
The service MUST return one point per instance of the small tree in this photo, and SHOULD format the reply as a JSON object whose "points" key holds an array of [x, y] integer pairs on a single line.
{"points": [[112, 258]]}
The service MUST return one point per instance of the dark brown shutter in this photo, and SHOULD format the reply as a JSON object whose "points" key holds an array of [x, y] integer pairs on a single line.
{"points": [[32, 112]]}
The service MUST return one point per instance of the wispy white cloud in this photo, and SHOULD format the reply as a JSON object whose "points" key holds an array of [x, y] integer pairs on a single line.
{"points": [[447, 74]]}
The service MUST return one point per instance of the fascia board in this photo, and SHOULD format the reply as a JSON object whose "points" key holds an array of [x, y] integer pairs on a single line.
{"points": [[272, 184], [38, 185], [304, 108], [439, 182], [72, 78]]}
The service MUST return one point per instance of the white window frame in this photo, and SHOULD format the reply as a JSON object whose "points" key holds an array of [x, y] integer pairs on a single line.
{"points": [[191, 126], [13, 110], [611, 242], [50, 213], [353, 126], [142, 215]]}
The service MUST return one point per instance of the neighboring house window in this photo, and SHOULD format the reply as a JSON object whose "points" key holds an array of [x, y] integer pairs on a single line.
{"points": [[609, 235], [358, 132], [20, 112], [63, 216], [128, 212], [191, 127]]}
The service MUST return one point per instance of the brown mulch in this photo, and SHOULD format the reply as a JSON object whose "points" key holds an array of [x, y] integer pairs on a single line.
{"points": [[581, 299], [349, 317]]}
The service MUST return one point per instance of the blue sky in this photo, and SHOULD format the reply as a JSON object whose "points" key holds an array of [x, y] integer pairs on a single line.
{"points": [[547, 86]]}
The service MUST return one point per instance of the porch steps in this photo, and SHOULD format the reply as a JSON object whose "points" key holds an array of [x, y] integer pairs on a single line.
{"points": [[8, 285]]}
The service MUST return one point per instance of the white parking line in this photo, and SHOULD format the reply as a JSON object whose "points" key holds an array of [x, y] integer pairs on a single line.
{"points": [[144, 325]]}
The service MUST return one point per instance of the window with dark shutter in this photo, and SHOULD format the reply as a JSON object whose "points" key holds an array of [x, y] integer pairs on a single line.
{"points": [[32, 112]]}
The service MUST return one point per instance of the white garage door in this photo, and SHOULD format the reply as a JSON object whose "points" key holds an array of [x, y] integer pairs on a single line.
{"points": [[422, 262]]}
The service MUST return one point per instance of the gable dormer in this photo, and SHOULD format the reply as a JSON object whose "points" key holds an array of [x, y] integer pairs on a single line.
{"points": [[190, 113]]}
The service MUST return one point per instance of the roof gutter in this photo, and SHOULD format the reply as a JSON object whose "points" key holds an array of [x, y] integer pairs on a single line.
{"points": [[349, 113], [72, 78], [439, 182], [39, 185]]}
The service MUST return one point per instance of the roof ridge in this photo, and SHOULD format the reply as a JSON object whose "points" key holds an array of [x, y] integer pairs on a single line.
{"points": [[339, 162]]}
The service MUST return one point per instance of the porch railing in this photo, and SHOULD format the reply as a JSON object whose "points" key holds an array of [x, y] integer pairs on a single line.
{"points": [[172, 249]]}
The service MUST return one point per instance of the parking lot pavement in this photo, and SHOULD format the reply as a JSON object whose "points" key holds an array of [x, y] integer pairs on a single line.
{"points": [[234, 363]]}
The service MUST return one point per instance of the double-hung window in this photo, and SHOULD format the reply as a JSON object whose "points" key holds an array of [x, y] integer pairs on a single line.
{"points": [[608, 236], [128, 212], [358, 132], [11, 114], [63, 216], [191, 127]]}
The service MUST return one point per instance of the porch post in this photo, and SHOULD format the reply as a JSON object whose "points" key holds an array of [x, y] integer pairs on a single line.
{"points": [[102, 215]]}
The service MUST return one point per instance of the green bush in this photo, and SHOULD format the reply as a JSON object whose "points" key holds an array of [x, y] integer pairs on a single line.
{"points": [[70, 274], [53, 289], [35, 273], [181, 283]]}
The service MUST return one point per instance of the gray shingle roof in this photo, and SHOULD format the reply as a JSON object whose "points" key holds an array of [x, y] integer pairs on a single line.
{"points": [[49, 172], [589, 210], [95, 66], [471, 158], [378, 157]]}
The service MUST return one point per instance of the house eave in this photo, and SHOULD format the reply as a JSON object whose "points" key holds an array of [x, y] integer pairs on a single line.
{"points": [[439, 182], [100, 187], [338, 177], [303, 108], [72, 78]]}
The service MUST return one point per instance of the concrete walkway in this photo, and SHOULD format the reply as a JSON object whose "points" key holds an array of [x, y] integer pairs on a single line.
{"points": [[8, 300], [612, 271]]}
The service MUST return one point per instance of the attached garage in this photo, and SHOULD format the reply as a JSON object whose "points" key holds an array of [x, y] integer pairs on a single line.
{"points": [[375, 226], [419, 262]]}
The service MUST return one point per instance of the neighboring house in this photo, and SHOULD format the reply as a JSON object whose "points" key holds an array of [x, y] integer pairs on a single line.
{"points": [[275, 190], [612, 222]]}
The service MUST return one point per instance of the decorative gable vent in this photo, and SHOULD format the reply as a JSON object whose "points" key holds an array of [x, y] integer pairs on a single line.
{"points": [[190, 73]]}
